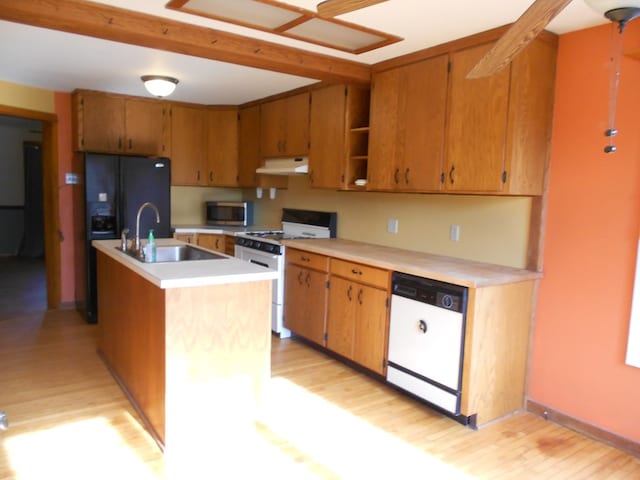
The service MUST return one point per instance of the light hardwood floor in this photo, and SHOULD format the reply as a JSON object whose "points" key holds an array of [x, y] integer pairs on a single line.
{"points": [[321, 419]]}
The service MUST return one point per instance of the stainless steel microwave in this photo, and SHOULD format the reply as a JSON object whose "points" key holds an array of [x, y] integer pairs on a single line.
{"points": [[239, 214]]}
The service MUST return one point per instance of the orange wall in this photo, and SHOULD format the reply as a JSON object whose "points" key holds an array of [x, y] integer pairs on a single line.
{"points": [[65, 198], [592, 228]]}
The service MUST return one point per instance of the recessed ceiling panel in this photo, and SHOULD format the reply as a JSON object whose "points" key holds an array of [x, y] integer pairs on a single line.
{"points": [[337, 35], [287, 20], [250, 12]]}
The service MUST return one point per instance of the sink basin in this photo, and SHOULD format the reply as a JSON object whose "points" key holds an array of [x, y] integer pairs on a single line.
{"points": [[177, 253]]}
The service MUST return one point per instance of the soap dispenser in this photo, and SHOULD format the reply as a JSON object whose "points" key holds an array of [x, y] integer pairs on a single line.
{"points": [[152, 246]]}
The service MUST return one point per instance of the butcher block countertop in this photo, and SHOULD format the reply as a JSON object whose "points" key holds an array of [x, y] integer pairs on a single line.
{"points": [[437, 267]]}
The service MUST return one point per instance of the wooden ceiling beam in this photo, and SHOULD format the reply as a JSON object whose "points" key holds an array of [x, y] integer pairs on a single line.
{"points": [[135, 28]]}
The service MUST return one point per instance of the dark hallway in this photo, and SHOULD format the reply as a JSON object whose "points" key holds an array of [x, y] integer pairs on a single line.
{"points": [[23, 287]]}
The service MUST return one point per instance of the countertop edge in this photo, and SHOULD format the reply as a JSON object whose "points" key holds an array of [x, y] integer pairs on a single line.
{"points": [[454, 270], [153, 272]]}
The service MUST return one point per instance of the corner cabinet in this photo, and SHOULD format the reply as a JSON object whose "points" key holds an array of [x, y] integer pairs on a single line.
{"points": [[306, 282], [222, 141], [406, 146], [107, 123], [188, 145], [338, 132], [284, 126]]}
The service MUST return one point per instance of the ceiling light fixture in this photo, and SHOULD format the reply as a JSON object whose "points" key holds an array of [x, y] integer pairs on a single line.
{"points": [[620, 12], [158, 85]]}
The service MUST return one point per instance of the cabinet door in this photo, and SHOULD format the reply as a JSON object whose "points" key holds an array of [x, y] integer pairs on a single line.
{"points": [[477, 125], [188, 145], [370, 328], [102, 123], [422, 104], [296, 141], [145, 125], [306, 302], [341, 317], [186, 237], [327, 148], [272, 128], [384, 120], [223, 148], [212, 241], [248, 145]]}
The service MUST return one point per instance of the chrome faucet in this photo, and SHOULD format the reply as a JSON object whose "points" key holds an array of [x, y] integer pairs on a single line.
{"points": [[137, 239]]}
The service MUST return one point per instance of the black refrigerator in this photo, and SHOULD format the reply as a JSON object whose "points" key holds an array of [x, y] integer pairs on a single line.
{"points": [[115, 188]]}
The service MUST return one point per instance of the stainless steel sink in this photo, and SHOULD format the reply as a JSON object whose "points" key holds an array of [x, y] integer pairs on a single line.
{"points": [[177, 253]]}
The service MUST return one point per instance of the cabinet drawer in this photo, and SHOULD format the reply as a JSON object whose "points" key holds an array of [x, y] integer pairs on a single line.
{"points": [[307, 259], [376, 277]]}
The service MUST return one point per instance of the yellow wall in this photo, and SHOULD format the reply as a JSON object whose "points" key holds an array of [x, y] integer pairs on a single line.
{"points": [[492, 229], [187, 203], [29, 98]]}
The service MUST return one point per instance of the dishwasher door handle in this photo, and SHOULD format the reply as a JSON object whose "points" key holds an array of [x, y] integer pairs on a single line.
{"points": [[422, 325]]}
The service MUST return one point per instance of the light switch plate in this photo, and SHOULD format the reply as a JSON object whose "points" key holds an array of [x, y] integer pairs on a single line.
{"points": [[392, 225], [71, 178], [454, 233]]}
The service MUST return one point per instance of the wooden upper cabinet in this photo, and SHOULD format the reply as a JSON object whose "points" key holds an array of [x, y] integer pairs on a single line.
{"points": [[100, 122], [477, 125], [499, 127], [406, 144], [248, 145], [284, 126], [119, 124], [146, 127], [223, 147], [338, 132], [188, 145]]}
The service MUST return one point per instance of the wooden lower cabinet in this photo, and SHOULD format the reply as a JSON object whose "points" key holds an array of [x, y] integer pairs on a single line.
{"points": [[306, 295], [186, 237], [212, 241], [357, 322]]}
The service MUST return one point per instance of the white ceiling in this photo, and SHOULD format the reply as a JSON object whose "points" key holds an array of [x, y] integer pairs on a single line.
{"points": [[62, 62]]}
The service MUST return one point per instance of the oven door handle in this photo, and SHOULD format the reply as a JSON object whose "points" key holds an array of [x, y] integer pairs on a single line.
{"points": [[259, 263]]}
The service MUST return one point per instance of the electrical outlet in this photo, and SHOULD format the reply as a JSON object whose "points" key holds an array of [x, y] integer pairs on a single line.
{"points": [[454, 233], [392, 225]]}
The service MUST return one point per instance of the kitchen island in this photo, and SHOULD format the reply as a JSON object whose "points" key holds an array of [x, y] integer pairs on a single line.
{"points": [[189, 342]]}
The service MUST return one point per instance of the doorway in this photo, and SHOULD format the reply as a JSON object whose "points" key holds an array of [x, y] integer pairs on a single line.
{"points": [[49, 191]]}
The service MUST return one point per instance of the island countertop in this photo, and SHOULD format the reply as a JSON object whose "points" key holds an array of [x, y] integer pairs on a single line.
{"points": [[189, 273], [437, 267]]}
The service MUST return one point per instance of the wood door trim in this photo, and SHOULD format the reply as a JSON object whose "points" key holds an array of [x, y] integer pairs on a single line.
{"points": [[135, 28], [52, 232]]}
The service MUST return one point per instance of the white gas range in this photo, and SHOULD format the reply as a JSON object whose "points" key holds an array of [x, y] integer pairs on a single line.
{"points": [[264, 248]]}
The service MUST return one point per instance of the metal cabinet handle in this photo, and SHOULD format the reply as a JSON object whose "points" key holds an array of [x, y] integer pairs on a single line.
{"points": [[130, 144], [396, 175], [217, 243], [453, 168], [422, 325], [356, 272], [300, 278], [349, 292], [406, 176], [211, 176], [308, 280], [360, 293], [305, 259]]}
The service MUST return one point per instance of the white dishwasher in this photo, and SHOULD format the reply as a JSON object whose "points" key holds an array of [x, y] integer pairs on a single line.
{"points": [[426, 339]]}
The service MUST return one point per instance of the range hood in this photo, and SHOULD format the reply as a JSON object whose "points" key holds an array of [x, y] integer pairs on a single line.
{"points": [[285, 166]]}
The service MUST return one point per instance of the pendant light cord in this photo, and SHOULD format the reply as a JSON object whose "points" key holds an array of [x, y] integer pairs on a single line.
{"points": [[615, 60]]}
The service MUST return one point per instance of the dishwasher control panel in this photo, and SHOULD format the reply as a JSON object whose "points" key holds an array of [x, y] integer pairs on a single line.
{"points": [[432, 292]]}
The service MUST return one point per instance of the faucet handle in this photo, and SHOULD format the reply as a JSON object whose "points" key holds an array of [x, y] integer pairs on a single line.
{"points": [[123, 239]]}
